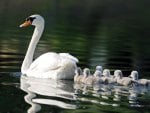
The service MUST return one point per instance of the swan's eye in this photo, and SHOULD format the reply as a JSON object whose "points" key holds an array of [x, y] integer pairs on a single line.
{"points": [[30, 19]]}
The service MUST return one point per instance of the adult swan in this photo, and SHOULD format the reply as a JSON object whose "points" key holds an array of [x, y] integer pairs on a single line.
{"points": [[49, 65]]}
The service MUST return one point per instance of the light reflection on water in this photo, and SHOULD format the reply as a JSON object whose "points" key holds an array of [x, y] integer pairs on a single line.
{"points": [[114, 34], [68, 95], [99, 50]]}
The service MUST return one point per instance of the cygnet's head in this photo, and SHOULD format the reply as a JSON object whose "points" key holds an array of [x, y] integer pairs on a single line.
{"points": [[100, 68], [106, 72], [134, 75], [86, 72], [118, 74], [98, 73], [34, 20], [78, 71]]}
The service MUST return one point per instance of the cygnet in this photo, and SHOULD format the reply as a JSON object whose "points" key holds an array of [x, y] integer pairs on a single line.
{"points": [[126, 81]]}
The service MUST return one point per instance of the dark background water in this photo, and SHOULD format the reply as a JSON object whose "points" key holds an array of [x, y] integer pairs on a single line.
{"points": [[114, 34]]}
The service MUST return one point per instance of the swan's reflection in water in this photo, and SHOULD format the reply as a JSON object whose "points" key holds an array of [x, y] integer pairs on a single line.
{"points": [[51, 93], [111, 95], [69, 95], [99, 94], [134, 95]]}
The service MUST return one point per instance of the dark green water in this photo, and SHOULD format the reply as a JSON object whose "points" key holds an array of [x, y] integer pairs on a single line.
{"points": [[114, 34]]}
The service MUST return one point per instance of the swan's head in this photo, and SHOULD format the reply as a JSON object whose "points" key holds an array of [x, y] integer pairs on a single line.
{"points": [[86, 72], [34, 20], [100, 68], [98, 73], [78, 71], [106, 72], [134, 75], [118, 74]]}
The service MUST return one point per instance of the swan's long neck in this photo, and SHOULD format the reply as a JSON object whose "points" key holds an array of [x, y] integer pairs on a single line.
{"points": [[30, 52]]}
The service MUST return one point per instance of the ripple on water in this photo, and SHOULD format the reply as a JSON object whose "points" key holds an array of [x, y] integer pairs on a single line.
{"points": [[68, 95]]}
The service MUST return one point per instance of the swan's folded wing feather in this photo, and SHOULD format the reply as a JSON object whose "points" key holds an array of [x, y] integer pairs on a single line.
{"points": [[47, 61], [67, 55]]}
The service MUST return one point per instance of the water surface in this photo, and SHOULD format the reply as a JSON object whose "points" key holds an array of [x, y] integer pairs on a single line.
{"points": [[114, 34], [25, 94]]}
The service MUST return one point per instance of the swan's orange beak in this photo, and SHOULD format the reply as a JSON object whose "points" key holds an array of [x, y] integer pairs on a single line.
{"points": [[26, 23]]}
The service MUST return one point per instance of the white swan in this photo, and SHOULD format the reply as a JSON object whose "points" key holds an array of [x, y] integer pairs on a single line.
{"points": [[98, 77], [78, 75], [135, 76], [126, 81], [99, 68], [86, 75], [49, 65], [108, 77]]}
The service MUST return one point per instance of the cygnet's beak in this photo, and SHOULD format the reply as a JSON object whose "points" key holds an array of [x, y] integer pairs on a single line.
{"points": [[25, 24]]}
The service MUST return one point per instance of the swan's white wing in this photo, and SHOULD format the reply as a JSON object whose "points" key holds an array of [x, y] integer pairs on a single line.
{"points": [[67, 55], [47, 61], [53, 65]]}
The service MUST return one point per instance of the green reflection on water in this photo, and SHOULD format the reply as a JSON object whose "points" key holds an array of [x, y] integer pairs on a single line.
{"points": [[114, 34]]}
